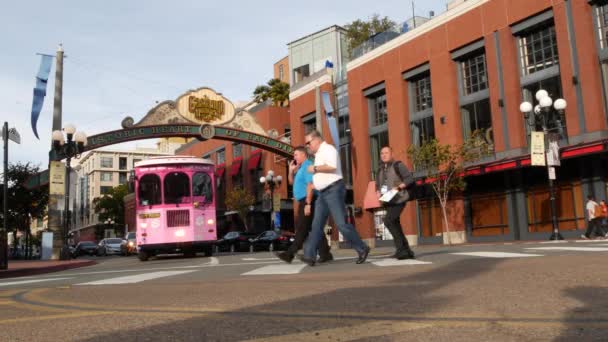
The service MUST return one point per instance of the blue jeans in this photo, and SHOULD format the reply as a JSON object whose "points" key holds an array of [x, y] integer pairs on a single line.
{"points": [[331, 201]]}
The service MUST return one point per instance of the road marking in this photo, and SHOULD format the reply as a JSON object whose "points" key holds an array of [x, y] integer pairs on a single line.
{"points": [[579, 249], [499, 254], [395, 262], [554, 241], [259, 259], [277, 269], [590, 241], [29, 281], [135, 278]]}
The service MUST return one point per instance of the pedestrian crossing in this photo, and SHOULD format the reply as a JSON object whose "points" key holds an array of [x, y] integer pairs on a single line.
{"points": [[266, 265]]}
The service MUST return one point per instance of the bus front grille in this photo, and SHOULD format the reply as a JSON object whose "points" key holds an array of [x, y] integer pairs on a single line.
{"points": [[178, 218]]}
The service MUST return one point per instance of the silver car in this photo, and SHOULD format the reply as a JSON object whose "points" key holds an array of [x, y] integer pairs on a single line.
{"points": [[109, 246]]}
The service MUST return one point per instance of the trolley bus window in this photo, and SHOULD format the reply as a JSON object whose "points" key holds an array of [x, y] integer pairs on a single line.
{"points": [[177, 188], [149, 190], [201, 186]]}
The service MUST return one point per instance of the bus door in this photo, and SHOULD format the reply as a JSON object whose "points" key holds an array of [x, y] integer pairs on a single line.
{"points": [[203, 207]]}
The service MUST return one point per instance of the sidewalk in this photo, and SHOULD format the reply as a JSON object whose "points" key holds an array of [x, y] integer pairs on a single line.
{"points": [[22, 268]]}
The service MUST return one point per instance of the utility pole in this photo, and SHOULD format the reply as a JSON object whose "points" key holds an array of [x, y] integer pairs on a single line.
{"points": [[3, 232], [54, 212], [413, 14]]}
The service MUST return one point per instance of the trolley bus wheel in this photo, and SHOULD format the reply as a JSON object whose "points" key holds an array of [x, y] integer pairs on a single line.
{"points": [[143, 256]]}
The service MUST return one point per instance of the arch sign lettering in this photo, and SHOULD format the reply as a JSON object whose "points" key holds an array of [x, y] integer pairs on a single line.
{"points": [[203, 114]]}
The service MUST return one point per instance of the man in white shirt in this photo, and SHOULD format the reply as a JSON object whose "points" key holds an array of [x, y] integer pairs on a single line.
{"points": [[593, 225], [327, 179]]}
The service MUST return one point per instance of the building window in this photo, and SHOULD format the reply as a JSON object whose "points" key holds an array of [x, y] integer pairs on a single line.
{"points": [[309, 122], [106, 176], [122, 163], [237, 150], [300, 73], [422, 97], [221, 157], [601, 25], [421, 105], [380, 115], [107, 162], [553, 86], [257, 187], [207, 156], [474, 76], [122, 178], [378, 127], [538, 50], [104, 189], [475, 111], [281, 72]]}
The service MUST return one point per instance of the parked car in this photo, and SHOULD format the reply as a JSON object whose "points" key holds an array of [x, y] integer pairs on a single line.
{"points": [[109, 246], [271, 241], [235, 241], [129, 244], [84, 248]]}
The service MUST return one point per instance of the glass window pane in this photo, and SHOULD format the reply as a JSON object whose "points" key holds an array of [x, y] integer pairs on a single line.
{"points": [[149, 190], [538, 50], [202, 186], [177, 188]]}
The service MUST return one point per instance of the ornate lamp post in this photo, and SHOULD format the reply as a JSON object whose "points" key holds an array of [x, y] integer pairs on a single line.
{"points": [[272, 181], [550, 116], [110, 222], [72, 145]]}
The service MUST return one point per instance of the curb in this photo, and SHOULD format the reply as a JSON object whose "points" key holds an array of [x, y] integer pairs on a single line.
{"points": [[23, 272]]}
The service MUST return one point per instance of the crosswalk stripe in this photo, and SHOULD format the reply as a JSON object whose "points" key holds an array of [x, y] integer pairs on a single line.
{"points": [[394, 262], [135, 278], [590, 241], [499, 254], [277, 269], [579, 249], [29, 281]]}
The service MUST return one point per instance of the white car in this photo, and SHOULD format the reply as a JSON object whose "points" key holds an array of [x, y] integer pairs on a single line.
{"points": [[109, 246]]}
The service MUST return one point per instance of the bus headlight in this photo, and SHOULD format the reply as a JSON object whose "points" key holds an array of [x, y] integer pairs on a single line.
{"points": [[143, 224], [180, 233], [210, 221]]}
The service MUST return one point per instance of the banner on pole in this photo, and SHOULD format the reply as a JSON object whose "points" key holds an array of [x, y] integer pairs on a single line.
{"points": [[40, 90], [537, 149], [57, 178]]}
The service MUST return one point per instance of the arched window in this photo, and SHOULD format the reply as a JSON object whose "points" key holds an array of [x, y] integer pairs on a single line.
{"points": [[202, 186], [177, 188], [149, 190]]}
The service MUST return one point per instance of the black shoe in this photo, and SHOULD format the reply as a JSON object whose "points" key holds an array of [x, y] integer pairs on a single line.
{"points": [[327, 258], [363, 255], [285, 257], [307, 261], [404, 256]]}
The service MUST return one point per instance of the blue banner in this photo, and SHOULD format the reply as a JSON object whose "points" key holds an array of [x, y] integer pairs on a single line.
{"points": [[40, 90]]}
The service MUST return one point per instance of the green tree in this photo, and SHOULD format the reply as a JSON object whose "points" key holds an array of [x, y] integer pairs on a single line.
{"points": [[239, 200], [443, 167], [23, 204], [111, 205], [275, 90], [359, 31]]}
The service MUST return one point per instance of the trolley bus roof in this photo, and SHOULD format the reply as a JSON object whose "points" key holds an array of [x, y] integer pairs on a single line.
{"points": [[174, 160]]}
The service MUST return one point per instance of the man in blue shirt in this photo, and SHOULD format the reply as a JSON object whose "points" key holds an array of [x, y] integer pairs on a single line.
{"points": [[304, 193]]}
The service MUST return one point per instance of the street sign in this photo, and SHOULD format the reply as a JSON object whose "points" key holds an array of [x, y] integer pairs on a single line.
{"points": [[276, 206], [551, 172], [12, 135], [37, 180], [57, 178], [537, 149], [553, 154]]}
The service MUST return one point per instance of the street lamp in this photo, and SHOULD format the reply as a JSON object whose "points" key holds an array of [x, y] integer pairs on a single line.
{"points": [[110, 222], [72, 145], [272, 181], [550, 115]]}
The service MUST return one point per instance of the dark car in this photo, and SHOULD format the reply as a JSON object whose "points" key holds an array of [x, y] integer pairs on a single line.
{"points": [[129, 244], [271, 241], [84, 248], [234, 241]]}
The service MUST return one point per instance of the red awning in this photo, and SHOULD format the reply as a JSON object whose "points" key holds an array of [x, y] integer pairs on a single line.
{"points": [[254, 160], [235, 168], [219, 171]]}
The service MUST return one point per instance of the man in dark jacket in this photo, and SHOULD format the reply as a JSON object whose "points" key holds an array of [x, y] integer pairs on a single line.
{"points": [[394, 175]]}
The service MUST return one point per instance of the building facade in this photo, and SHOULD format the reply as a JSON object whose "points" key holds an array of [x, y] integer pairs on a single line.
{"points": [[468, 70]]}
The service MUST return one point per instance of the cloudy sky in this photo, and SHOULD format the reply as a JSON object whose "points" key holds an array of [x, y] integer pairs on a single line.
{"points": [[124, 55]]}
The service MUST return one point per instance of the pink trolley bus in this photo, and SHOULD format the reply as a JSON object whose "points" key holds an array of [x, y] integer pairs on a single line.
{"points": [[175, 206]]}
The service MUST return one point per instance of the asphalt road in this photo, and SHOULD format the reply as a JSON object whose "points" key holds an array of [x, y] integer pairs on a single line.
{"points": [[503, 292]]}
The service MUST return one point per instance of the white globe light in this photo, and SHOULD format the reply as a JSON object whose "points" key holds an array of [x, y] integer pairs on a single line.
{"points": [[525, 107], [279, 179], [537, 109], [262, 180], [560, 104], [69, 129], [269, 178], [57, 136], [80, 137], [270, 173], [540, 94], [546, 102]]}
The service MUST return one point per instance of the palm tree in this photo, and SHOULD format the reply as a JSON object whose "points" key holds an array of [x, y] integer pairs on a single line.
{"points": [[276, 90]]}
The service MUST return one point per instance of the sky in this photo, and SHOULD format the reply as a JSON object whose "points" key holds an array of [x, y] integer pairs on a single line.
{"points": [[122, 56]]}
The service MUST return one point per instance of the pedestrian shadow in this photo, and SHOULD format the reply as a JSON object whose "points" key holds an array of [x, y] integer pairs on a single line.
{"points": [[588, 322], [402, 299]]}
